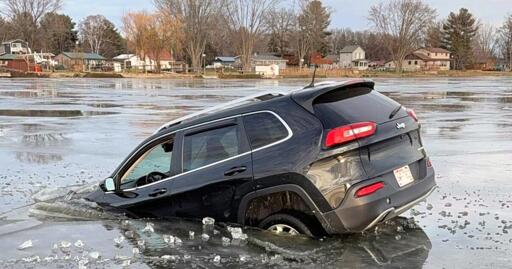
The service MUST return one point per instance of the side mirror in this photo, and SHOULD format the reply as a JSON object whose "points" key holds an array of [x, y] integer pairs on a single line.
{"points": [[109, 184]]}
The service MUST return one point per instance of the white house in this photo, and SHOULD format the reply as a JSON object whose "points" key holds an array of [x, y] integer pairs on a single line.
{"points": [[132, 61], [353, 57], [425, 59]]}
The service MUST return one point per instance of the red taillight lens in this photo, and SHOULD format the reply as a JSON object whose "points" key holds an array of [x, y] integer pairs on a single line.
{"points": [[429, 163], [349, 132], [370, 189], [412, 114]]}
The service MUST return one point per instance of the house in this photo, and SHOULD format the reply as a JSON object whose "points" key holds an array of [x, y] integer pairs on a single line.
{"points": [[81, 61], [424, 59], [16, 46], [353, 57], [132, 61], [264, 60], [223, 61], [18, 62]]}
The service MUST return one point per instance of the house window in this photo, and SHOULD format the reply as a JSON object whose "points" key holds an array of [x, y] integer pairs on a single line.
{"points": [[436, 53], [428, 54], [410, 62], [415, 62]]}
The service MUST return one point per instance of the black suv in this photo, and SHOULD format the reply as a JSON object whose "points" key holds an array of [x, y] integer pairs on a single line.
{"points": [[331, 158]]}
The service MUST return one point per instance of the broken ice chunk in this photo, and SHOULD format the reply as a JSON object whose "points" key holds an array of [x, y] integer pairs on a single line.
{"points": [[191, 235], [216, 259], [225, 241], [119, 240], [208, 221], [149, 228], [25, 245], [95, 255], [79, 244], [205, 237]]}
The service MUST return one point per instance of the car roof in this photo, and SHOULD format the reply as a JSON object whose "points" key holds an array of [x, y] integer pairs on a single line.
{"points": [[257, 101]]}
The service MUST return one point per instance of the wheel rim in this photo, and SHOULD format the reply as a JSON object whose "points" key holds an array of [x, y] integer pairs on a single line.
{"points": [[283, 229]]}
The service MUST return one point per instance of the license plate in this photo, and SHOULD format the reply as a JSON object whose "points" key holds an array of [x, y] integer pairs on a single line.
{"points": [[403, 176]]}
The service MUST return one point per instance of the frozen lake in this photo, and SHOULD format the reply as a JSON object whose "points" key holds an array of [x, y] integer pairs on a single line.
{"points": [[57, 134]]}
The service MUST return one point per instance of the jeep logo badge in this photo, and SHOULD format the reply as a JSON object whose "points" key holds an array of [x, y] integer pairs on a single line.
{"points": [[400, 125]]}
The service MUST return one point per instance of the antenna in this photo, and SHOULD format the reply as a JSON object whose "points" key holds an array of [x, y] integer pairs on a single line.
{"points": [[313, 79]]}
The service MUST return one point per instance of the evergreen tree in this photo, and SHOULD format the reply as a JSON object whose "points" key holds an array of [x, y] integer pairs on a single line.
{"points": [[57, 33], [314, 21], [459, 31]]}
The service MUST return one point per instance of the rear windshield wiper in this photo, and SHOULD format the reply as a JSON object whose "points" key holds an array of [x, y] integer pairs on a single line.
{"points": [[394, 112]]}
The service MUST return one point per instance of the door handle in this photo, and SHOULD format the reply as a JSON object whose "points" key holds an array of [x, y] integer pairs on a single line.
{"points": [[235, 170], [158, 192]]}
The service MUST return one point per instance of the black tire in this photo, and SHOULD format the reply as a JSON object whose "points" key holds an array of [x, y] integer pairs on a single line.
{"points": [[296, 221]]}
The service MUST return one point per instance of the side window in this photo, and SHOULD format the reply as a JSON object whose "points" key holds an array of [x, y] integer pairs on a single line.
{"points": [[204, 148], [264, 129], [153, 165]]}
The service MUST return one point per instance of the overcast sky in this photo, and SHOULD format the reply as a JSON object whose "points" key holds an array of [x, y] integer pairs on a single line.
{"points": [[347, 13]]}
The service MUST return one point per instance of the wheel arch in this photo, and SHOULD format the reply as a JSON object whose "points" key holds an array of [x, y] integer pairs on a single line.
{"points": [[292, 188]]}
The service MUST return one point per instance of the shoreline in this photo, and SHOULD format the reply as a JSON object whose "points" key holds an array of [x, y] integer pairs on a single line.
{"points": [[234, 76]]}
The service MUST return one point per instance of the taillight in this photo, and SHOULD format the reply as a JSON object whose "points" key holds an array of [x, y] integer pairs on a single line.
{"points": [[429, 163], [412, 114], [370, 189], [349, 132]]}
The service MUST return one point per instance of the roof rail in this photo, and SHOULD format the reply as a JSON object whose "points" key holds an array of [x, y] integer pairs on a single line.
{"points": [[262, 96]]}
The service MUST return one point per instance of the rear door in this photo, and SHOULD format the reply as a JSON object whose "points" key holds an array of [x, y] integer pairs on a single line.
{"points": [[216, 170], [396, 142]]}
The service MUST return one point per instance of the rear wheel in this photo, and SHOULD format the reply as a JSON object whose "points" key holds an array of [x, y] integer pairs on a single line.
{"points": [[287, 224]]}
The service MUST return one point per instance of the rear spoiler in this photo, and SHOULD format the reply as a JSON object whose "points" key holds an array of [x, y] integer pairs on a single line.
{"points": [[307, 96]]}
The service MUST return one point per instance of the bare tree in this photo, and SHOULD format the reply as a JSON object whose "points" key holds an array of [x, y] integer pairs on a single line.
{"points": [[280, 24], [36, 8], [246, 19], [197, 17], [402, 25], [505, 41], [25, 16], [93, 32], [136, 28], [485, 41]]}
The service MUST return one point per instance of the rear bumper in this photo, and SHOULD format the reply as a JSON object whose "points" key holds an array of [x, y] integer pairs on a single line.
{"points": [[360, 214]]}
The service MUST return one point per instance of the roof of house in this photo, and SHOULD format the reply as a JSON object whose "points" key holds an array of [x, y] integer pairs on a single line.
{"points": [[349, 49], [123, 57], [417, 56], [436, 50], [267, 57], [14, 40], [82, 55], [8, 56], [225, 59]]}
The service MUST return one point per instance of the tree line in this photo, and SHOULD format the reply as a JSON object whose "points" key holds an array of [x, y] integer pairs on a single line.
{"points": [[198, 30]]}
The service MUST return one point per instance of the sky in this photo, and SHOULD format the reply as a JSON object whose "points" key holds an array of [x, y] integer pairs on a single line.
{"points": [[346, 13]]}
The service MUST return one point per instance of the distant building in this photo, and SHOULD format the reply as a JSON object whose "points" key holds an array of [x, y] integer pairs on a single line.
{"points": [[223, 61], [16, 46], [132, 61], [81, 61], [425, 59], [264, 60], [353, 57]]}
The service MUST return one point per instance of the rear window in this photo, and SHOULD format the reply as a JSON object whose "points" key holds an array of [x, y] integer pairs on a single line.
{"points": [[350, 105], [264, 129]]}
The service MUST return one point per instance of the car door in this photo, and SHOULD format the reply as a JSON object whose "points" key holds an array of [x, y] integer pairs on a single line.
{"points": [[143, 182], [216, 171]]}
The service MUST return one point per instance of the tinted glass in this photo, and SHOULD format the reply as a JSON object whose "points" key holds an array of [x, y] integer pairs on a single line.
{"points": [[211, 146], [156, 159], [263, 129], [346, 106]]}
